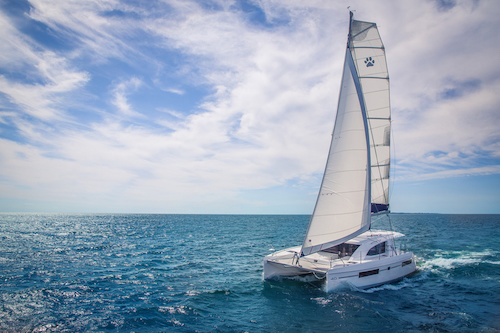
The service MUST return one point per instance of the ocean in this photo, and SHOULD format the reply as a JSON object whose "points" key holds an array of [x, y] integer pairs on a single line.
{"points": [[203, 273]]}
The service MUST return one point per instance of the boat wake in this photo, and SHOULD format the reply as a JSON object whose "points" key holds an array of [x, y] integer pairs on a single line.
{"points": [[405, 283], [448, 260]]}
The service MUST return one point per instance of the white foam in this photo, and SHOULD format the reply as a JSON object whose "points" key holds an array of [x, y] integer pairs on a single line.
{"points": [[192, 293], [398, 286], [449, 263], [176, 323], [45, 328], [181, 309], [452, 259], [321, 300], [5, 260]]}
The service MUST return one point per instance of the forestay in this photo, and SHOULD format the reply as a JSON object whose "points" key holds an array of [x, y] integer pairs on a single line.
{"points": [[360, 142]]}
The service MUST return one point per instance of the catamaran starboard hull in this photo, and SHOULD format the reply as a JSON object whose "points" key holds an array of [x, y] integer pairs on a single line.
{"points": [[371, 274]]}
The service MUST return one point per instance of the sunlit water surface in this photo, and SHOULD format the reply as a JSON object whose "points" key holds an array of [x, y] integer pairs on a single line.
{"points": [[186, 273]]}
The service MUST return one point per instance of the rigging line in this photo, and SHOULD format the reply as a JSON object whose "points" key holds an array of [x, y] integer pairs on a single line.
{"points": [[392, 233], [390, 225]]}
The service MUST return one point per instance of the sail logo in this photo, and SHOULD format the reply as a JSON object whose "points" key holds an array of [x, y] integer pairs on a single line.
{"points": [[370, 62]]}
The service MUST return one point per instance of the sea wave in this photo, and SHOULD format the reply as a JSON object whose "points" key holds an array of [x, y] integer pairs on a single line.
{"points": [[179, 309], [129, 273]]}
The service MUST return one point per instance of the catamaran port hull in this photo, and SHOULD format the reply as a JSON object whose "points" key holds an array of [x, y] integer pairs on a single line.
{"points": [[273, 270], [283, 264]]}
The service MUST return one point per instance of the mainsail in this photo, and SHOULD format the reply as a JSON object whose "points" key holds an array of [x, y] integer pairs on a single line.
{"points": [[356, 178]]}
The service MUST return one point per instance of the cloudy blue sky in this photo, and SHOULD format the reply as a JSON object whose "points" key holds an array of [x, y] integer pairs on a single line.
{"points": [[221, 106]]}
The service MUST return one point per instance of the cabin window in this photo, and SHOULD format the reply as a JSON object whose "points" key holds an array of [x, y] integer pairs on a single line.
{"points": [[368, 273], [378, 249], [343, 250]]}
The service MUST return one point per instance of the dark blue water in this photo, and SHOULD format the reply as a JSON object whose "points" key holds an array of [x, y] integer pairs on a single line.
{"points": [[188, 273]]}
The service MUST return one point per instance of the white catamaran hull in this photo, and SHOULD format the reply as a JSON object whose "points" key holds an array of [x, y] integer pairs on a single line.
{"points": [[371, 274], [373, 261], [359, 275], [281, 264]]}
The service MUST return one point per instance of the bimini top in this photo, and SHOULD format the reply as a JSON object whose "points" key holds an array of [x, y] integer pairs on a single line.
{"points": [[375, 235]]}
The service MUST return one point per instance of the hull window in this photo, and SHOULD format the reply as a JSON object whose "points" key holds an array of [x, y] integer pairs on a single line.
{"points": [[368, 273], [407, 262]]}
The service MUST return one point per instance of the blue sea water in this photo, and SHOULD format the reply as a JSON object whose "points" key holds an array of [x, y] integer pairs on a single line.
{"points": [[203, 273]]}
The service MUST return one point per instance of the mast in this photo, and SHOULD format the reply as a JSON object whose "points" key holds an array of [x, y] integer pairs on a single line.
{"points": [[362, 104]]}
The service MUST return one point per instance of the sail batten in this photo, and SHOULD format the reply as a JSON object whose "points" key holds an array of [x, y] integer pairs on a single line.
{"points": [[356, 178]]}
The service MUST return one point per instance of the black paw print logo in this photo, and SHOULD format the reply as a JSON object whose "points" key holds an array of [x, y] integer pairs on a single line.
{"points": [[369, 62]]}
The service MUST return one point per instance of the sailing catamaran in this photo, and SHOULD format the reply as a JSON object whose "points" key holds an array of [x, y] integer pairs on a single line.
{"points": [[340, 245]]}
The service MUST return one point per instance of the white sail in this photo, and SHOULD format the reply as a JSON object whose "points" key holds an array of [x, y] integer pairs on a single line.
{"points": [[368, 53], [357, 169]]}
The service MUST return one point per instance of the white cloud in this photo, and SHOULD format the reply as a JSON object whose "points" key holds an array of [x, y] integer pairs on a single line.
{"points": [[120, 100], [444, 81], [87, 25], [175, 91], [46, 77], [479, 171], [267, 117]]}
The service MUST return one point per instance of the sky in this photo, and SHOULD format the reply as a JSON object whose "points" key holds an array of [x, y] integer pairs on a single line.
{"points": [[227, 107]]}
